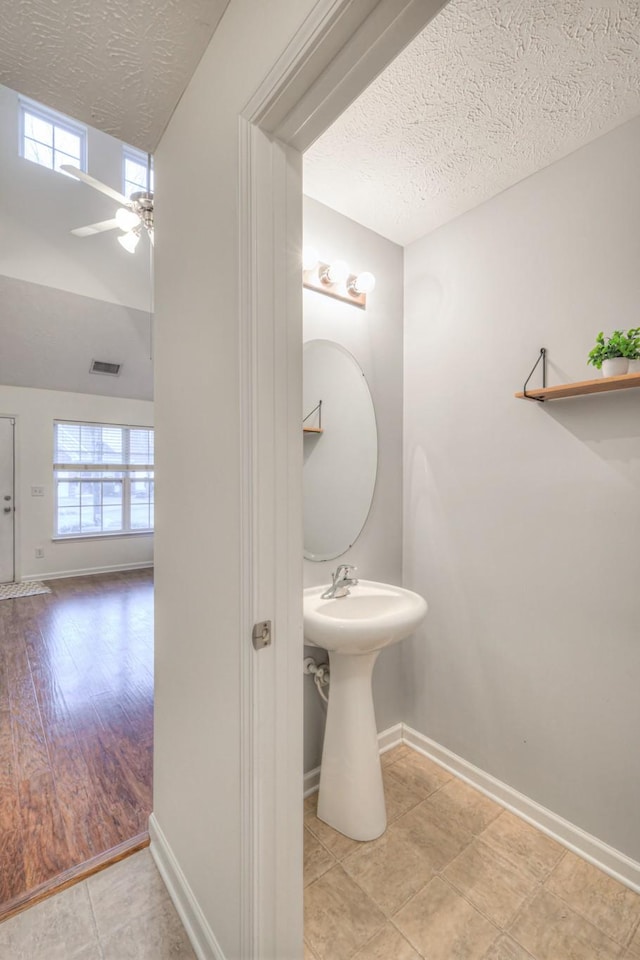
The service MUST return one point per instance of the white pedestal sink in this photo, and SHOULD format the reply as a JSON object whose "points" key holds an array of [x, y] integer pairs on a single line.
{"points": [[354, 629]]}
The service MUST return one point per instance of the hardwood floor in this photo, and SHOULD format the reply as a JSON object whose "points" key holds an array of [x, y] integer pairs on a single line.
{"points": [[76, 728]]}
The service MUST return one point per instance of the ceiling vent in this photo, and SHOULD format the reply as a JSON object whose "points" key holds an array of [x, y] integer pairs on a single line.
{"points": [[101, 366]]}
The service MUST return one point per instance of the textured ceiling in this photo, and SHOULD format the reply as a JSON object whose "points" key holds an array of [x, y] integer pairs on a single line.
{"points": [[119, 65], [489, 93]]}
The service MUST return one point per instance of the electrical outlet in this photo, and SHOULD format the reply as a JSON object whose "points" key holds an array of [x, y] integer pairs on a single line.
{"points": [[39, 553], [37, 491]]}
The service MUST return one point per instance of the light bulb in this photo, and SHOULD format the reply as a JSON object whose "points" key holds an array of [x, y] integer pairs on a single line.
{"points": [[336, 272], [129, 241], [310, 258], [127, 219], [363, 283]]}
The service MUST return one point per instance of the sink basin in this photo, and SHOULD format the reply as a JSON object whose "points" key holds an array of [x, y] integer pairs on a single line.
{"points": [[371, 617], [354, 629]]}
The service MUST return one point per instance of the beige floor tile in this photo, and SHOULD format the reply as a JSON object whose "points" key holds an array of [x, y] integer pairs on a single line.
{"points": [[60, 928], [550, 930], [393, 868], [634, 946], [308, 952], [339, 918], [441, 925], [389, 944], [154, 935], [460, 805], [396, 753], [419, 773], [523, 845], [608, 904], [130, 888], [491, 882], [317, 860], [440, 846], [398, 797], [335, 842], [507, 949]]}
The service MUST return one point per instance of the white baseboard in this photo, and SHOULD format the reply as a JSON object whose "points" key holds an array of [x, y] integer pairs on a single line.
{"points": [[87, 571], [311, 782], [390, 737], [200, 934], [601, 855]]}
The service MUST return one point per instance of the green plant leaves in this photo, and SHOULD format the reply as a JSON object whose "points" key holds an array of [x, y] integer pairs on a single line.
{"points": [[619, 344]]}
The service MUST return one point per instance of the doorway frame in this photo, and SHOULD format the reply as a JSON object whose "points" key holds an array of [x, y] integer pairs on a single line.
{"points": [[338, 51], [14, 481]]}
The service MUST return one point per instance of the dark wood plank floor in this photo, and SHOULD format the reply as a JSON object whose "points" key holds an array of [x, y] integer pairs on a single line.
{"points": [[76, 725]]}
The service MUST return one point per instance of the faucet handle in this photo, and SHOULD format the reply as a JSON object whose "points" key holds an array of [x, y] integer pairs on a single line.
{"points": [[344, 570]]}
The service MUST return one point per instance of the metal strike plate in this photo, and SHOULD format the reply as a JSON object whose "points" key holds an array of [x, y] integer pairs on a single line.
{"points": [[261, 634]]}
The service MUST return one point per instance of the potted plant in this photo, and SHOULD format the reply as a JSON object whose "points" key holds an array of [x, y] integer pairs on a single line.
{"points": [[612, 354], [634, 355]]}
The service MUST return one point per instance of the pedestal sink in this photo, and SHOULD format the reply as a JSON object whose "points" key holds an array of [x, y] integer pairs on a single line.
{"points": [[354, 629]]}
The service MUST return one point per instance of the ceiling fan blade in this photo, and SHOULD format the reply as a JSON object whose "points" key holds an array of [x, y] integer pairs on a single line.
{"points": [[92, 228], [92, 182]]}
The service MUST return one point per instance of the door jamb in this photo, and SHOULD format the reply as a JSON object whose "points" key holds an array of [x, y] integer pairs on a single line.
{"points": [[339, 49], [14, 559]]}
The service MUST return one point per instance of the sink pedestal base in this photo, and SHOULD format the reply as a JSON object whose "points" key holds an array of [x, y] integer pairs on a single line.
{"points": [[351, 797]]}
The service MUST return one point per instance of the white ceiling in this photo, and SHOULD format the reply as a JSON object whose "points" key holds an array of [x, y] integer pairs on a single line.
{"points": [[489, 93], [49, 338], [64, 300], [119, 65]]}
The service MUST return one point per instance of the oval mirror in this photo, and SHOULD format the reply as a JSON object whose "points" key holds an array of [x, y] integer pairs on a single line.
{"points": [[340, 450]]}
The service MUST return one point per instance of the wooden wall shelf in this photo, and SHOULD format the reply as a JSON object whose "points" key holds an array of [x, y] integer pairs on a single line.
{"points": [[313, 429], [582, 388]]}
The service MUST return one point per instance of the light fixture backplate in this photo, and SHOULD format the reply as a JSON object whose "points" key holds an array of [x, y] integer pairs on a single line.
{"points": [[339, 291]]}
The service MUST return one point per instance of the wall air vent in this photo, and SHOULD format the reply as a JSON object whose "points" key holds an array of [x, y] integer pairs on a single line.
{"points": [[101, 366]]}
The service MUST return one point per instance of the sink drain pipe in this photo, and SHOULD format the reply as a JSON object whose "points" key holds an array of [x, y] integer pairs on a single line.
{"points": [[320, 674]]}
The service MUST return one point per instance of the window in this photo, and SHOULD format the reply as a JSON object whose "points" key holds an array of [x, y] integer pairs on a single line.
{"points": [[103, 479], [135, 172], [51, 139]]}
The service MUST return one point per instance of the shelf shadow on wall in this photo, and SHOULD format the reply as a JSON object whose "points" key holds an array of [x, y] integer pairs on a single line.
{"points": [[609, 425]]}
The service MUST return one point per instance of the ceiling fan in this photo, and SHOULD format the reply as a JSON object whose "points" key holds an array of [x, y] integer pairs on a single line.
{"points": [[133, 215]]}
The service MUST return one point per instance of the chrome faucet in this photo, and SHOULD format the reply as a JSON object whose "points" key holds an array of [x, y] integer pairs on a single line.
{"points": [[342, 580]]}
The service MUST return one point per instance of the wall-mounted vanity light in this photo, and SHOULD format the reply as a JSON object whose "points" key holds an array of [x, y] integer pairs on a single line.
{"points": [[335, 279]]}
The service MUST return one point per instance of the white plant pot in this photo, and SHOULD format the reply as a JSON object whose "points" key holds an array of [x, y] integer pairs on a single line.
{"points": [[634, 366], [615, 367]]}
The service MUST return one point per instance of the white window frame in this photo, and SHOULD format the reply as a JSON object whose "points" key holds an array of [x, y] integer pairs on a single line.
{"points": [[60, 121], [139, 157], [124, 471]]}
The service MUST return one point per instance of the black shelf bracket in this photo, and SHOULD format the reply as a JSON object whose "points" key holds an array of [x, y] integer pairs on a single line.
{"points": [[318, 407], [543, 357]]}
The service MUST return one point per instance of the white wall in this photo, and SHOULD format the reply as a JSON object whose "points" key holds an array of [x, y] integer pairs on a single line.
{"points": [[198, 604], [522, 521], [35, 411], [38, 208], [374, 337]]}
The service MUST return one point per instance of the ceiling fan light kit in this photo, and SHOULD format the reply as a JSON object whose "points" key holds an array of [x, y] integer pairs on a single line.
{"points": [[126, 218], [130, 240], [131, 217]]}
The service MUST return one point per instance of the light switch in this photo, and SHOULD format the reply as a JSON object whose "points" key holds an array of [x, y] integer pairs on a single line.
{"points": [[37, 491]]}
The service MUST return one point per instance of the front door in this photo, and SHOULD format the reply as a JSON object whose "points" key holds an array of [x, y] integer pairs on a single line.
{"points": [[7, 513]]}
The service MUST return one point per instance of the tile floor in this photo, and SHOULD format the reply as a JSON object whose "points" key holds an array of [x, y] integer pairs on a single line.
{"points": [[456, 877], [122, 913]]}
